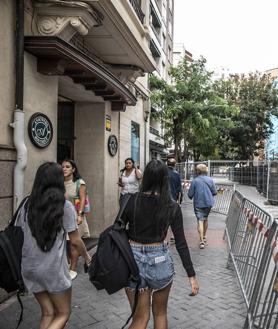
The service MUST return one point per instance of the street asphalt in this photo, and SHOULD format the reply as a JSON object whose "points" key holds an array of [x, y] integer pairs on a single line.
{"points": [[219, 304]]}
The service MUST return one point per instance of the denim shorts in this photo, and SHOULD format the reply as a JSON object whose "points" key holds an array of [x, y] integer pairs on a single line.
{"points": [[155, 265], [202, 213]]}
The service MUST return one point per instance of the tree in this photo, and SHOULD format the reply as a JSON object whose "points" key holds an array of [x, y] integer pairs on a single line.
{"points": [[255, 95], [192, 113]]}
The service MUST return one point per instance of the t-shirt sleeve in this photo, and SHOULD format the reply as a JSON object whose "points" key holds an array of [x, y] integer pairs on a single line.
{"points": [[69, 218], [82, 182], [181, 244]]}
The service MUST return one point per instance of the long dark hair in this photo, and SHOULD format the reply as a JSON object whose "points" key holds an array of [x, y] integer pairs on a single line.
{"points": [[76, 174], [127, 159], [156, 181], [46, 205]]}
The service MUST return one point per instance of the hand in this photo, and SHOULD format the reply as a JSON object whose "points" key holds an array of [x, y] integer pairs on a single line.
{"points": [[87, 264], [79, 219], [194, 286]]}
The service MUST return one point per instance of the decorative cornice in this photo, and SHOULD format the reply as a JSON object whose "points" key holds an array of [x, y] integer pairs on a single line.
{"points": [[65, 18]]}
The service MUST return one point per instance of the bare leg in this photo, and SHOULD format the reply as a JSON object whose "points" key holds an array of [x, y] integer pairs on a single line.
{"points": [[62, 309], [159, 307], [47, 308], [142, 314], [205, 227], [201, 229]]}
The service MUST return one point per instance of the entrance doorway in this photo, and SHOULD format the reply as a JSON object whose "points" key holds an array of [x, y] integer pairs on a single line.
{"points": [[65, 131]]}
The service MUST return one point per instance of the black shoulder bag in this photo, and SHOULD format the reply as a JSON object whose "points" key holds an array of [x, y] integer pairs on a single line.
{"points": [[113, 264], [11, 242]]}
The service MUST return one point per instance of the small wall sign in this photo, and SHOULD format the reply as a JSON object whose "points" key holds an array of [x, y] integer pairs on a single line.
{"points": [[40, 130], [108, 122], [112, 145]]}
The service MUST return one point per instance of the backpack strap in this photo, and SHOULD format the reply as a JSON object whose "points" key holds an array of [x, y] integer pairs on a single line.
{"points": [[123, 205], [134, 305], [15, 215]]}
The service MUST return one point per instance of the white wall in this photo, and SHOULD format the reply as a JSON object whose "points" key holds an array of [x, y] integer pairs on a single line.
{"points": [[40, 95]]}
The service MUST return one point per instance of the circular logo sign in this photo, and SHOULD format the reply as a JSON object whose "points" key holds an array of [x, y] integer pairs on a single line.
{"points": [[112, 145], [40, 130]]}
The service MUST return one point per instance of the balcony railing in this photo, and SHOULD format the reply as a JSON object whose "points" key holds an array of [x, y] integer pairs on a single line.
{"points": [[136, 4], [154, 131]]}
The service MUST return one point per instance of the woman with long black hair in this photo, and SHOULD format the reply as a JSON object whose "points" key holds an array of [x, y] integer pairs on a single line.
{"points": [[149, 214], [46, 221], [75, 189]]}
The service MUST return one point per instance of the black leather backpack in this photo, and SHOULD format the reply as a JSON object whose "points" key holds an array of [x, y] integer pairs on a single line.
{"points": [[113, 263], [11, 242]]}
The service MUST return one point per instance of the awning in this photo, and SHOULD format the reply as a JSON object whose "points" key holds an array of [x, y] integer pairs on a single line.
{"points": [[58, 57]]}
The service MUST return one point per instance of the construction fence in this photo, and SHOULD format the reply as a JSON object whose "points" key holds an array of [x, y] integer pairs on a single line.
{"points": [[261, 174], [252, 236]]}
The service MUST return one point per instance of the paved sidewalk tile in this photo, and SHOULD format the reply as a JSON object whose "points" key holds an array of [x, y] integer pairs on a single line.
{"points": [[219, 305]]}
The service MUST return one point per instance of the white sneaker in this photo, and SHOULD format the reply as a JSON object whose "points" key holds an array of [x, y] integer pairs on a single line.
{"points": [[73, 274]]}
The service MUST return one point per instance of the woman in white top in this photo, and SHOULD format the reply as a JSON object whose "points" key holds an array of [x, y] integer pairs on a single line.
{"points": [[129, 179]]}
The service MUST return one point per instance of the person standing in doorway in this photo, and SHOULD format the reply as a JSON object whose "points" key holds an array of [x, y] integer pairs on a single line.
{"points": [[129, 179], [46, 221], [75, 186], [202, 190]]}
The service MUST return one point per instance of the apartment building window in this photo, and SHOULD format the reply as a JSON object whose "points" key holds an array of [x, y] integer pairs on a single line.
{"points": [[135, 141], [155, 22], [171, 5], [169, 54], [164, 10], [163, 70], [164, 42], [170, 26]]}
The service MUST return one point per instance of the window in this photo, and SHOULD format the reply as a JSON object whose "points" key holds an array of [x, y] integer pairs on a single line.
{"points": [[170, 27], [135, 142], [171, 5], [164, 11]]}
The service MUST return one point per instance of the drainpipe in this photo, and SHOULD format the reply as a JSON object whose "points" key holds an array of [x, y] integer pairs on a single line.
{"points": [[18, 124]]}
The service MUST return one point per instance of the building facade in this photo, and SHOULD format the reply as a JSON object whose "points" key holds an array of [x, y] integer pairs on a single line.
{"points": [[161, 45], [84, 91]]}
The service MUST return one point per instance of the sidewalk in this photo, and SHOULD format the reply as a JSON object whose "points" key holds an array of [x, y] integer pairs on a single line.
{"points": [[219, 304]]}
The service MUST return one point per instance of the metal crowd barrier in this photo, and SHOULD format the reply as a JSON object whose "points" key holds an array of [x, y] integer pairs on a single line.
{"points": [[222, 199], [252, 236]]}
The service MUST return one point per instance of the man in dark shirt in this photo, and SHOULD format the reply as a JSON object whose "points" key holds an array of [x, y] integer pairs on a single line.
{"points": [[174, 180]]}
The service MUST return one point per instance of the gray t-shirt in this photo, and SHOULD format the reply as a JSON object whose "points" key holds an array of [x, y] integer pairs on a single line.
{"points": [[46, 271]]}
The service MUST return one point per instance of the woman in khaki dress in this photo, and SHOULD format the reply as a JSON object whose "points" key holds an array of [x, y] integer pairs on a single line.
{"points": [[73, 181]]}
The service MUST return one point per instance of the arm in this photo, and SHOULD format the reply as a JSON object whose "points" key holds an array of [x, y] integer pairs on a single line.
{"points": [[213, 189], [138, 173], [82, 196], [77, 242], [191, 190], [182, 248]]}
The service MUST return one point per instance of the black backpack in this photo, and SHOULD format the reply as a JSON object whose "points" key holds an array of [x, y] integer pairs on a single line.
{"points": [[11, 242], [113, 264]]}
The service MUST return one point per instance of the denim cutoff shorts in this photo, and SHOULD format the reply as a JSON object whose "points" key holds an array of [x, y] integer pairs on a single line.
{"points": [[155, 265], [202, 213]]}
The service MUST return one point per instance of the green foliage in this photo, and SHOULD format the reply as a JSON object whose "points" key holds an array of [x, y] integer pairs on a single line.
{"points": [[196, 118], [255, 95]]}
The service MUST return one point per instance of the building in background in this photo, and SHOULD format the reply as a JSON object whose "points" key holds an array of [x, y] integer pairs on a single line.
{"points": [[161, 45], [180, 53], [85, 90]]}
